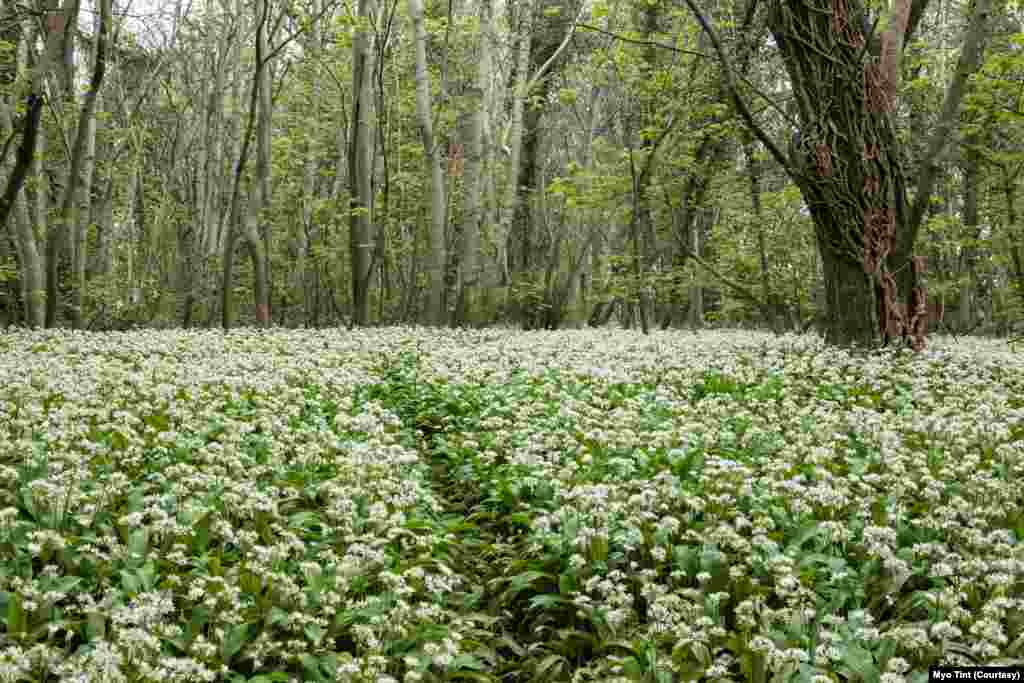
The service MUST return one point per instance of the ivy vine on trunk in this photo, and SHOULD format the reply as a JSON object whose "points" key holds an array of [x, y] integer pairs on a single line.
{"points": [[847, 161]]}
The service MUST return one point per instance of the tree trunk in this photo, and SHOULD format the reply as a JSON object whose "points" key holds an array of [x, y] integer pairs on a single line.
{"points": [[696, 310], [509, 205], [1015, 232], [83, 200], [299, 238], [965, 309], [360, 158], [849, 167], [469, 311], [754, 176], [259, 194], [32, 272], [251, 233], [434, 313], [69, 211], [27, 161]]}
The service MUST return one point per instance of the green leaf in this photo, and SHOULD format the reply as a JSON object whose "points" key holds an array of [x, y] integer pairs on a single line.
{"points": [[16, 618], [95, 626], [468, 661], [805, 534], [525, 580], [276, 677], [545, 601], [859, 661], [472, 676], [138, 542], [234, 639], [278, 615], [130, 583], [701, 652], [312, 666], [201, 539], [548, 663], [315, 633], [566, 584], [200, 615]]}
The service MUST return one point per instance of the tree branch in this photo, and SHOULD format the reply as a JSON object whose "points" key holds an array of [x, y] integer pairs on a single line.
{"points": [[561, 48], [741, 106], [970, 56], [642, 43], [742, 291]]}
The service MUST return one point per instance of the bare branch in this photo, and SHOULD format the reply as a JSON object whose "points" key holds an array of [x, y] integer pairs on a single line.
{"points": [[644, 43]]}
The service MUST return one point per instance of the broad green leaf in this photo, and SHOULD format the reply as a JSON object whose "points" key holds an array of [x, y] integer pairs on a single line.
{"points": [[234, 639]]}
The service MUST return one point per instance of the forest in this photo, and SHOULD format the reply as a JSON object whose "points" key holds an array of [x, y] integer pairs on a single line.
{"points": [[843, 166], [511, 341]]}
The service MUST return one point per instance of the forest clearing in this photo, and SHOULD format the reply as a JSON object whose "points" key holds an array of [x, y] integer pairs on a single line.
{"points": [[414, 504]]}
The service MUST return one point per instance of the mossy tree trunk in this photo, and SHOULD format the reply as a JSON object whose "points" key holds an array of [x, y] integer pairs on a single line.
{"points": [[848, 163]]}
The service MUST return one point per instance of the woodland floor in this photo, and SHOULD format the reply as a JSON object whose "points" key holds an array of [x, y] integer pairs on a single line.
{"points": [[419, 505]]}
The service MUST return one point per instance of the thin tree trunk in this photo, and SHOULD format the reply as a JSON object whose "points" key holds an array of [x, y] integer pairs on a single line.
{"points": [[696, 309], [361, 234], [255, 245], [508, 206], [1010, 198], [298, 244], [69, 207], [965, 310], [32, 273], [260, 192], [473, 214], [83, 200], [754, 176], [435, 309]]}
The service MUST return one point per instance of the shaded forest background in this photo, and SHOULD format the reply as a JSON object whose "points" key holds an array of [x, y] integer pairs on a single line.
{"points": [[545, 163]]}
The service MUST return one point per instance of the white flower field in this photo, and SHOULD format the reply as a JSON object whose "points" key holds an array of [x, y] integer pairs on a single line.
{"points": [[405, 504]]}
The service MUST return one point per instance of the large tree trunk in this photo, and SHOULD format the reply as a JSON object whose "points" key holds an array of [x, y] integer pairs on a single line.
{"points": [[848, 163], [434, 314], [360, 158]]}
